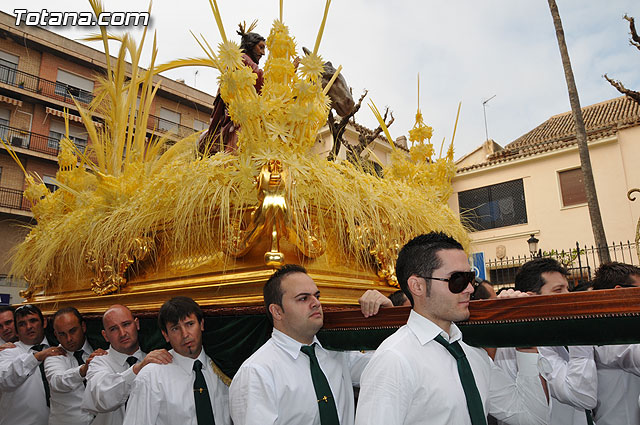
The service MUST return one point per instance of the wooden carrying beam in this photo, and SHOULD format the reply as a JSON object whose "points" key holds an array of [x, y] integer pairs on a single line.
{"points": [[583, 318]]}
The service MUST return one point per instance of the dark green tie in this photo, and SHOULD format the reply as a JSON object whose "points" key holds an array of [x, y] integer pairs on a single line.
{"points": [[589, 417], [78, 355], [47, 391], [326, 402], [204, 412], [474, 402]]}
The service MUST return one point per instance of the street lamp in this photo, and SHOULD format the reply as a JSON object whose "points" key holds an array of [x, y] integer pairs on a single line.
{"points": [[533, 245]]}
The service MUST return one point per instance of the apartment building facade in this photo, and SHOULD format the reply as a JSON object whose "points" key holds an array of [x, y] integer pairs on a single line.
{"points": [[40, 73]]}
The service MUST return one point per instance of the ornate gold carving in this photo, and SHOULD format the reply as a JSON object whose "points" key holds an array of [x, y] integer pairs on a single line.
{"points": [[34, 288], [384, 256], [273, 218], [107, 279]]}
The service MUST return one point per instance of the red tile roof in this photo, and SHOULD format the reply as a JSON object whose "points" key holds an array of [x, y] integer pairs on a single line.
{"points": [[601, 120]]}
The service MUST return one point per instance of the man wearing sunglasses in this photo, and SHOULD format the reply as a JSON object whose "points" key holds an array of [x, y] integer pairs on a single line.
{"points": [[23, 385], [570, 372], [424, 372]]}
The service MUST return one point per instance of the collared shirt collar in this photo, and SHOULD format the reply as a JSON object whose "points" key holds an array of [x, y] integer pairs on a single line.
{"points": [[121, 358], [28, 347], [86, 347], [290, 345], [425, 330], [186, 363]]}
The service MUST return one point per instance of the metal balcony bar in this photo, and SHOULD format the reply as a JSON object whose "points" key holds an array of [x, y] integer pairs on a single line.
{"points": [[13, 198], [29, 140], [53, 89]]}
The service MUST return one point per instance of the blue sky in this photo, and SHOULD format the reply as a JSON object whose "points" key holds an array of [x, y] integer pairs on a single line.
{"points": [[464, 50]]}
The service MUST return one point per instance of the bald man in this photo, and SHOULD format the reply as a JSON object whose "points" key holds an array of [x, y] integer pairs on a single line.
{"points": [[110, 377]]}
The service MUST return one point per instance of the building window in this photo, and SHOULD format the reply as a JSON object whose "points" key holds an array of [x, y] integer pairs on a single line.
{"points": [[498, 205], [8, 67], [50, 182], [70, 85], [572, 187], [57, 131], [55, 137], [200, 125], [168, 120]]}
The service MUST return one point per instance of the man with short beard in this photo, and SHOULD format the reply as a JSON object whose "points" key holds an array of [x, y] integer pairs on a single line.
{"points": [[186, 391], [110, 377], [66, 374], [25, 390]]}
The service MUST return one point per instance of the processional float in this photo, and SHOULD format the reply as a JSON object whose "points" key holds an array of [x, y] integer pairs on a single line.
{"points": [[136, 221]]}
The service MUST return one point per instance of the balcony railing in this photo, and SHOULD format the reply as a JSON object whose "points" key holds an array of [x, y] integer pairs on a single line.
{"points": [[162, 125], [53, 89], [29, 140], [13, 198]]}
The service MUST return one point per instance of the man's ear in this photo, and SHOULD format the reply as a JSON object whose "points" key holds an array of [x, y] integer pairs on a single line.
{"points": [[166, 337], [276, 312], [417, 286], [84, 327], [202, 325], [137, 322], [104, 335]]}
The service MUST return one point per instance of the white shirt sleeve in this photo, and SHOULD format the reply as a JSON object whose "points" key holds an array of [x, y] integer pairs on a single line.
{"points": [[144, 402], [61, 378], [386, 390], [573, 382], [522, 402], [252, 397], [15, 368], [106, 389], [625, 357], [357, 362]]}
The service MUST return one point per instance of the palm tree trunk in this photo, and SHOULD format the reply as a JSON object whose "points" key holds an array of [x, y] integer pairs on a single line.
{"points": [[581, 136]]}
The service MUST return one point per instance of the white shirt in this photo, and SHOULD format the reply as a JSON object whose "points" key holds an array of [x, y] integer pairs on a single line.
{"points": [[23, 398], [412, 379], [109, 382], [67, 388], [163, 394], [618, 384], [274, 385], [571, 378]]}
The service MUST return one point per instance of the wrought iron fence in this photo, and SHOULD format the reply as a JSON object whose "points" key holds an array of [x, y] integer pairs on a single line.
{"points": [[29, 140], [581, 262], [13, 198]]}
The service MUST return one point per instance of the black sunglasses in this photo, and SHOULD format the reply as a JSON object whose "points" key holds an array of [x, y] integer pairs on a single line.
{"points": [[458, 281]]}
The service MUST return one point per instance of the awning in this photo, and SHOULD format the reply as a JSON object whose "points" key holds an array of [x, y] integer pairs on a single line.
{"points": [[10, 100], [72, 117]]}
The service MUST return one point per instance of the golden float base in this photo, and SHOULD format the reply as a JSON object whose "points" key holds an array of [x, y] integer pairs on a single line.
{"points": [[214, 280]]}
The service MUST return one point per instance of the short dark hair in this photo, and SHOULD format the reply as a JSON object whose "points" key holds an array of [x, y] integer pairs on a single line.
{"points": [[4, 308], [481, 292], [398, 297], [176, 309], [67, 310], [25, 310], [529, 276], [608, 275], [419, 257], [272, 290]]}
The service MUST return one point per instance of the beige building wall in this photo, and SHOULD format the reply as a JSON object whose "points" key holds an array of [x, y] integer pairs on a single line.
{"points": [[558, 227]]}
